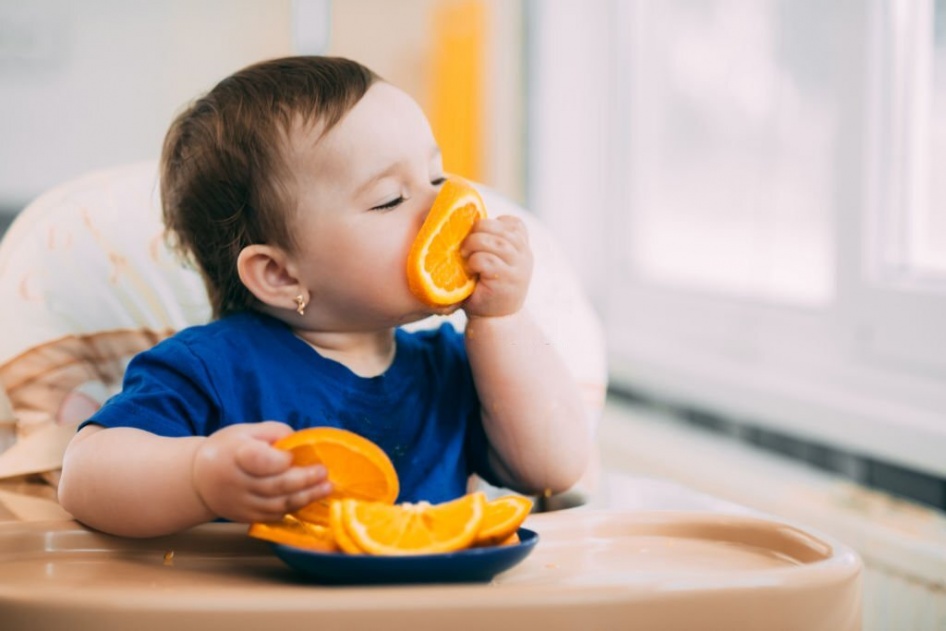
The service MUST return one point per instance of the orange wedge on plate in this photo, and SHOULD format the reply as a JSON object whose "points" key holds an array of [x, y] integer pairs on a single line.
{"points": [[340, 531], [511, 540], [295, 532], [406, 529], [436, 273], [502, 519], [357, 468]]}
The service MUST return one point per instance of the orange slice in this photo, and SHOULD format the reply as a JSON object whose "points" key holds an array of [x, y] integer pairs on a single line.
{"points": [[340, 532], [502, 519], [512, 540], [436, 273], [357, 468], [294, 532], [420, 528]]}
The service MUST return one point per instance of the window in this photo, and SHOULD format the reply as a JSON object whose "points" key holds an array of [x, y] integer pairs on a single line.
{"points": [[774, 208], [929, 247], [733, 121], [905, 250], [913, 37]]}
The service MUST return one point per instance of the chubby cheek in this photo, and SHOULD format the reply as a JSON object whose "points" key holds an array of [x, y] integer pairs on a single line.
{"points": [[371, 260], [401, 241], [386, 259]]}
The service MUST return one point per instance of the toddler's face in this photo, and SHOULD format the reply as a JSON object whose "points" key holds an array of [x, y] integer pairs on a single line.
{"points": [[364, 190]]}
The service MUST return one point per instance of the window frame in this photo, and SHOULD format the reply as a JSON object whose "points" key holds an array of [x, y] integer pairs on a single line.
{"points": [[904, 314], [866, 374]]}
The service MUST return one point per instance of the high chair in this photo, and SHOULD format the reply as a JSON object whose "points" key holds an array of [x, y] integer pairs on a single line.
{"points": [[86, 282]]}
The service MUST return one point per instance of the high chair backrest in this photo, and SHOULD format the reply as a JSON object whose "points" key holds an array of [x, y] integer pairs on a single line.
{"points": [[87, 281]]}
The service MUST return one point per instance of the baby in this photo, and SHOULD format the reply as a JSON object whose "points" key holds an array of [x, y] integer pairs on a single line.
{"points": [[296, 186]]}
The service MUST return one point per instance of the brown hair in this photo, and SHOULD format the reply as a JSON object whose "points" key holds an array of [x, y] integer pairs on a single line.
{"points": [[225, 183]]}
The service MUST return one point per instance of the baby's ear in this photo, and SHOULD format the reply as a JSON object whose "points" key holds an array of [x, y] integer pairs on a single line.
{"points": [[267, 273]]}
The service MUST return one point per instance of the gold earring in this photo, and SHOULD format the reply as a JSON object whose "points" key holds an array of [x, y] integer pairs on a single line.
{"points": [[300, 305]]}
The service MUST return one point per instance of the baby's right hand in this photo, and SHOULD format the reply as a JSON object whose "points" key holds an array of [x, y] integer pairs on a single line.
{"points": [[240, 476]]}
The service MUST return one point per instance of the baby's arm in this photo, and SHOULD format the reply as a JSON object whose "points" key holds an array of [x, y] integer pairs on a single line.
{"points": [[532, 409], [134, 483]]}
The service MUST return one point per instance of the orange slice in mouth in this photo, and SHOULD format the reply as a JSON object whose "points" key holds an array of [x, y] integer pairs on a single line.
{"points": [[436, 273]]}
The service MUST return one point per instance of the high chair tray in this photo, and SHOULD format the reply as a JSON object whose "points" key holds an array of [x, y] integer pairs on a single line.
{"points": [[590, 569]]}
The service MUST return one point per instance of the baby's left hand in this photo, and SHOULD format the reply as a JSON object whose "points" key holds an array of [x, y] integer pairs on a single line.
{"points": [[498, 251]]}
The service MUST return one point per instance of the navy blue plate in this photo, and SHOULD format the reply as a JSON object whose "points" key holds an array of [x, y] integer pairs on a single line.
{"points": [[472, 565]]}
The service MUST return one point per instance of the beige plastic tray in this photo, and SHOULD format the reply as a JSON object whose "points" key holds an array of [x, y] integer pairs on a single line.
{"points": [[591, 569]]}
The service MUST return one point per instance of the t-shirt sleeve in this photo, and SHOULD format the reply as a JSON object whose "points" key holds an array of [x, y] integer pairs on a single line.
{"points": [[167, 391]]}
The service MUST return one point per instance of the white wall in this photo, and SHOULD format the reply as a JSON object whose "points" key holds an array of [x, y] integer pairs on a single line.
{"points": [[93, 83], [86, 85]]}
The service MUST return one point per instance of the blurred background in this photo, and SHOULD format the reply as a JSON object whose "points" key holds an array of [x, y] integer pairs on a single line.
{"points": [[91, 84], [754, 181], [753, 193]]}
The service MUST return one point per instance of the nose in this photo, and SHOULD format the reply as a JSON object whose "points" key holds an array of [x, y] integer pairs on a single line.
{"points": [[426, 202]]}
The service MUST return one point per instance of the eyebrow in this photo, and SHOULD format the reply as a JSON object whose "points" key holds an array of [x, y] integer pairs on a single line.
{"points": [[388, 170]]}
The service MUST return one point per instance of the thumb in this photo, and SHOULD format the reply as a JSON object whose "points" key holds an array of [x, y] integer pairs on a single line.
{"points": [[257, 456], [270, 431]]}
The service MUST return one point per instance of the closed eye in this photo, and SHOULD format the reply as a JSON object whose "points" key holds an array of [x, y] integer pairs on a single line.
{"points": [[439, 181], [391, 204]]}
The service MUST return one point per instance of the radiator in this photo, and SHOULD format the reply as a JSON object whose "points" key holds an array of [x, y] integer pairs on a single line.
{"points": [[895, 601], [903, 545]]}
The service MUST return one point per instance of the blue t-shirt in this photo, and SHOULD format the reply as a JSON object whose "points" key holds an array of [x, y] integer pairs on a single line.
{"points": [[248, 367]]}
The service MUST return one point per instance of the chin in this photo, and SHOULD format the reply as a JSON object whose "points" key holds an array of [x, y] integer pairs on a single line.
{"points": [[427, 311], [445, 311]]}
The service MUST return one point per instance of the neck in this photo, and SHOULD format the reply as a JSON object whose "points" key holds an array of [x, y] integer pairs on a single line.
{"points": [[365, 354]]}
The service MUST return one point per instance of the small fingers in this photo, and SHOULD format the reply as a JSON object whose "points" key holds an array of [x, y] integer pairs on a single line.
{"points": [[487, 266], [505, 237], [486, 243], [269, 431], [297, 500], [274, 507], [292, 481], [513, 266], [258, 459], [506, 225]]}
